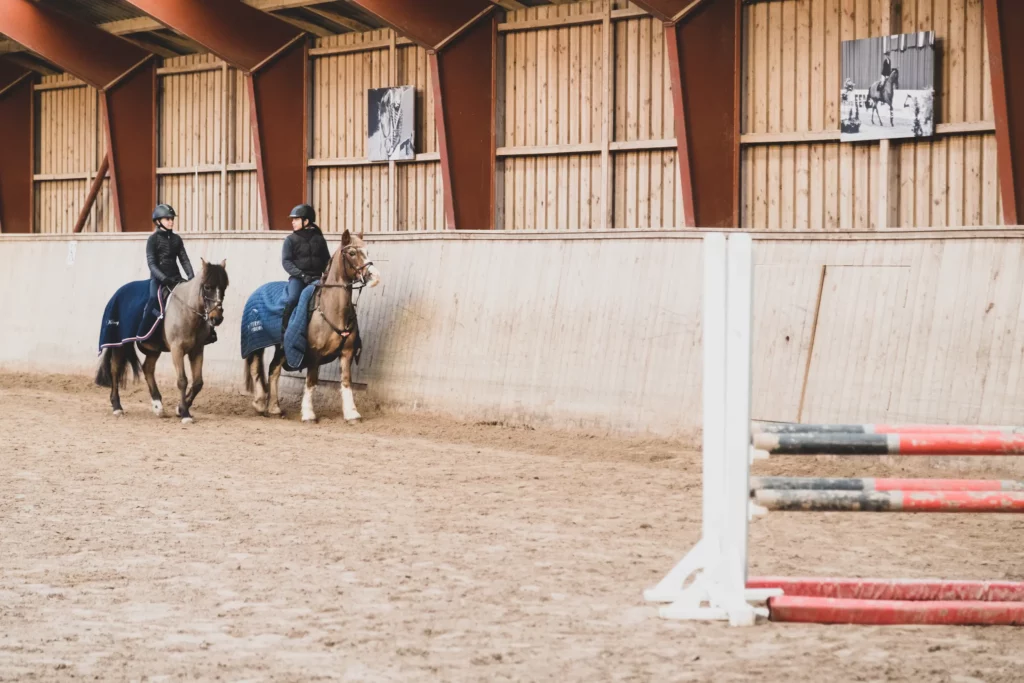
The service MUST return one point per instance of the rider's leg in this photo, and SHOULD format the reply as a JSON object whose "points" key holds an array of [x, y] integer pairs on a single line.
{"points": [[295, 287]]}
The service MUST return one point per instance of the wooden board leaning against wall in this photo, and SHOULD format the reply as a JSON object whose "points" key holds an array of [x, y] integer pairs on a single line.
{"points": [[795, 173]]}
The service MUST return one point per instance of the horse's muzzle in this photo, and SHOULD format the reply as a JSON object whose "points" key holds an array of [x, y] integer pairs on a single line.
{"points": [[216, 320]]}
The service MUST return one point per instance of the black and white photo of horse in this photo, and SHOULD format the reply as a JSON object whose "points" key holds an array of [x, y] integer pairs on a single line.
{"points": [[391, 123], [888, 87]]}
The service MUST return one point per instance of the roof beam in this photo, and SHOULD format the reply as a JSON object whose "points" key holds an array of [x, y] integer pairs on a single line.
{"points": [[429, 24], [88, 52], [125, 74], [16, 162], [340, 19], [146, 24]]}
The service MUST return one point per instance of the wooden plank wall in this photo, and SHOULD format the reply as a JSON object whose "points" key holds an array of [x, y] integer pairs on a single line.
{"points": [[795, 175], [349, 191], [586, 136], [70, 144]]}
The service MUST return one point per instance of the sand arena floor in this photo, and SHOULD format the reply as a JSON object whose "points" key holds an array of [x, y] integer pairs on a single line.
{"points": [[414, 547]]}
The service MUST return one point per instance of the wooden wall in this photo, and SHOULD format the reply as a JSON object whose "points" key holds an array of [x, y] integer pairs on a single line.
{"points": [[796, 175], [70, 142], [585, 130], [586, 134]]}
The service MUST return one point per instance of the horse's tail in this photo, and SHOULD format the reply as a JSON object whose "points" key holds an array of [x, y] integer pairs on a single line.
{"points": [[132, 358], [103, 378], [104, 374], [249, 386]]}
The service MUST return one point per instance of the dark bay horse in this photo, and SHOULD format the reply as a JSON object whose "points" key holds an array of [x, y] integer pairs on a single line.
{"points": [[332, 329], [881, 91], [193, 309]]}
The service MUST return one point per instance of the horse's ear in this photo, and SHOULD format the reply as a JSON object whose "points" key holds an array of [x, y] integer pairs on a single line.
{"points": [[224, 263], [203, 261], [346, 238]]}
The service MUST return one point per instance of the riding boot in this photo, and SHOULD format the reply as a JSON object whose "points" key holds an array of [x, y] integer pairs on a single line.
{"points": [[288, 308]]}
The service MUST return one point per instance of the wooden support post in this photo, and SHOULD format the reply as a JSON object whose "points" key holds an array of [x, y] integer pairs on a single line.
{"points": [[392, 166], [607, 104], [224, 98]]}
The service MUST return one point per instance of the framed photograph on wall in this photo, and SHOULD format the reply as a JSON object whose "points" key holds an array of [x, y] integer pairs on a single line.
{"points": [[888, 87], [391, 128]]}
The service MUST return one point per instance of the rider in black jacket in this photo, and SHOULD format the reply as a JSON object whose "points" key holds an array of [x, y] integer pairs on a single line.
{"points": [[304, 256], [164, 249]]}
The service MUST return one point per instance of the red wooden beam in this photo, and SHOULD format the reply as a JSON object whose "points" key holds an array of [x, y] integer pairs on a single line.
{"points": [[16, 161], [462, 37], [431, 24], [127, 76], [702, 38], [274, 54], [1004, 21]]}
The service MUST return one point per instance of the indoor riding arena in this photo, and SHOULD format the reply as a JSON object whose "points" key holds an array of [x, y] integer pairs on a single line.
{"points": [[530, 340]]}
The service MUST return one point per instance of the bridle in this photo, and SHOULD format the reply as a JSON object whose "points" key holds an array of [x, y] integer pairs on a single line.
{"points": [[208, 304], [354, 286]]}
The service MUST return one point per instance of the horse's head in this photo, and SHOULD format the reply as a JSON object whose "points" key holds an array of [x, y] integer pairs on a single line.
{"points": [[355, 259], [894, 78], [213, 283]]}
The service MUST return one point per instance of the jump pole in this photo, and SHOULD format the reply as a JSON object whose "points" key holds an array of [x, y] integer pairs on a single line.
{"points": [[882, 484], [891, 444], [797, 428], [891, 501], [893, 589], [718, 562], [891, 612]]}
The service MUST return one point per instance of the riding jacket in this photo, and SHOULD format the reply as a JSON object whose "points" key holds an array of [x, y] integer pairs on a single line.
{"points": [[305, 254], [163, 249]]}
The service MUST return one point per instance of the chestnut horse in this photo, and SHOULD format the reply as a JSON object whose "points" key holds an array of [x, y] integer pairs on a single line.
{"points": [[332, 329]]}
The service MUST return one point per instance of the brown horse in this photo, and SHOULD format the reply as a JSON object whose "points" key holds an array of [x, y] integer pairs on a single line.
{"points": [[882, 91], [193, 309], [332, 329]]}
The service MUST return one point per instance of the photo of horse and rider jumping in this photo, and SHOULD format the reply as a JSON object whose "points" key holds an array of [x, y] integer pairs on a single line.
{"points": [[888, 87]]}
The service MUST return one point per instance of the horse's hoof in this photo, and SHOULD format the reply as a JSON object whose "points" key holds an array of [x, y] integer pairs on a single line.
{"points": [[118, 413], [275, 413], [158, 408], [258, 407], [309, 420], [354, 420], [186, 420]]}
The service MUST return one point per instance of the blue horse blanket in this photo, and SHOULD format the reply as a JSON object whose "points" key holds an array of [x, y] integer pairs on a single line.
{"points": [[262, 322], [126, 320]]}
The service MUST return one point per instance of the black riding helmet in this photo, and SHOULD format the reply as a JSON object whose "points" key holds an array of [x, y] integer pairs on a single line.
{"points": [[163, 211], [303, 211]]}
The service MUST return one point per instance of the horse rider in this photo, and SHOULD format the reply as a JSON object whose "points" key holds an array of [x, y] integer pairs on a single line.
{"points": [[164, 249], [886, 64], [304, 256]]}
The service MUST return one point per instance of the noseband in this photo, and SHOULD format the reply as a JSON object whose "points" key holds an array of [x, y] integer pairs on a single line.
{"points": [[205, 313]]}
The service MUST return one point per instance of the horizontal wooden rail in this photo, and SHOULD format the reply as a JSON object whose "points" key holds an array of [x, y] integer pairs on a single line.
{"points": [[337, 162], [585, 148], [964, 128]]}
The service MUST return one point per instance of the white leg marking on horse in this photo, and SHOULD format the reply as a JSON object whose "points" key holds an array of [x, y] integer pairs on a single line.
{"points": [[307, 405], [186, 420], [158, 408], [348, 405], [118, 413]]}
